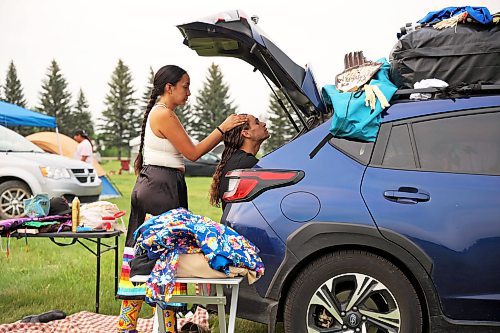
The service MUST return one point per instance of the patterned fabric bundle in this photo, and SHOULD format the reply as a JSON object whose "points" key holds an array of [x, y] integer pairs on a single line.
{"points": [[179, 231]]}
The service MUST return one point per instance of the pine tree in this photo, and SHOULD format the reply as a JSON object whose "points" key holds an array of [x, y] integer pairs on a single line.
{"points": [[149, 88], [81, 117], [121, 119], [55, 98], [183, 112], [278, 125], [212, 104], [13, 91]]}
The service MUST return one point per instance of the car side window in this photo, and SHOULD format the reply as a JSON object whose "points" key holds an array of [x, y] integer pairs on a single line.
{"points": [[399, 153], [360, 151], [468, 143]]}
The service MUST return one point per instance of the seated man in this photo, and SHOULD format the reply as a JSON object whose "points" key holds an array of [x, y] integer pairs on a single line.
{"points": [[241, 145]]}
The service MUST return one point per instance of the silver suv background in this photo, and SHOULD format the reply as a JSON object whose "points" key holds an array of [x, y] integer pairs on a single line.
{"points": [[26, 170]]}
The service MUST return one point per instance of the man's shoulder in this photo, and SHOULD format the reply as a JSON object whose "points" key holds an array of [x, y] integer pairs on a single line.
{"points": [[241, 159]]}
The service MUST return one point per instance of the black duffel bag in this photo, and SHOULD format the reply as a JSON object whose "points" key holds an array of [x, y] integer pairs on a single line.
{"points": [[468, 54]]}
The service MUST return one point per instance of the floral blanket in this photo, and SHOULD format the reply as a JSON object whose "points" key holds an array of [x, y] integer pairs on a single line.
{"points": [[178, 231]]}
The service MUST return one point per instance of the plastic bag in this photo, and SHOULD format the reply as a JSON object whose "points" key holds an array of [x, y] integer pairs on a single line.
{"points": [[37, 206], [101, 215]]}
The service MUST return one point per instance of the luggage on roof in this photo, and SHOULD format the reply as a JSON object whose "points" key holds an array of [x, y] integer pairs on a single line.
{"points": [[467, 53]]}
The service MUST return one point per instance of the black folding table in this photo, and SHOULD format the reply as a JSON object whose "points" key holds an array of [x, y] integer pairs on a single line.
{"points": [[95, 237]]}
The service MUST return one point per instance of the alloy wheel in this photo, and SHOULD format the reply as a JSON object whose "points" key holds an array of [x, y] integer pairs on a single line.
{"points": [[11, 201], [353, 303]]}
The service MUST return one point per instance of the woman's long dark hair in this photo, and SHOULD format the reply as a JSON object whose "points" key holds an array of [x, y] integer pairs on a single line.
{"points": [[167, 74], [233, 140], [84, 135]]}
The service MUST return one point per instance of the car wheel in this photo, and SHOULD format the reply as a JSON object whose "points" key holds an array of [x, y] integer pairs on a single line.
{"points": [[350, 292], [12, 194]]}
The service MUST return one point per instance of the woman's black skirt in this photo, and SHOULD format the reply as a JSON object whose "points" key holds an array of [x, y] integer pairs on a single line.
{"points": [[157, 190]]}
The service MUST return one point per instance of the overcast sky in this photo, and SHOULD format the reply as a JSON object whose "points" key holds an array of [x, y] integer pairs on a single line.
{"points": [[88, 37]]}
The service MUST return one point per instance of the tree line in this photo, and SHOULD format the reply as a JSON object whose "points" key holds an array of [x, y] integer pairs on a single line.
{"points": [[122, 117]]}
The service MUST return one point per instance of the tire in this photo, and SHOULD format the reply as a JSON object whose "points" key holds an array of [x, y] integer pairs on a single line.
{"points": [[324, 297], [12, 194]]}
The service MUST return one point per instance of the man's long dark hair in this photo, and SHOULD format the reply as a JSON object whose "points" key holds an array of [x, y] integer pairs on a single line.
{"points": [[167, 74], [233, 140]]}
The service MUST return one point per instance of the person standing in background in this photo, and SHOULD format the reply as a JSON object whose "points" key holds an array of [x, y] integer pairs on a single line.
{"points": [[84, 151]]}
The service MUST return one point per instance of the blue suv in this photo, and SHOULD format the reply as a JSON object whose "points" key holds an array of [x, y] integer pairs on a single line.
{"points": [[398, 235]]}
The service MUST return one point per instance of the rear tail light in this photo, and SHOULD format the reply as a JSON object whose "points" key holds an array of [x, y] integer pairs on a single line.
{"points": [[246, 184]]}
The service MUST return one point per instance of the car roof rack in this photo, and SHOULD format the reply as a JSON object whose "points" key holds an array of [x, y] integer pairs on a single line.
{"points": [[454, 91]]}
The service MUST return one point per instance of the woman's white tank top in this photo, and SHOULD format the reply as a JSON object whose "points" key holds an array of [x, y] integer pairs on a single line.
{"points": [[160, 151]]}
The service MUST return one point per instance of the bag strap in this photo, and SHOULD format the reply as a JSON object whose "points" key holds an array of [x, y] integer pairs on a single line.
{"points": [[320, 145]]}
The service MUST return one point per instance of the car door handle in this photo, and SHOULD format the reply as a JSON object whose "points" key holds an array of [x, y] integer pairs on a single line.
{"points": [[407, 195]]}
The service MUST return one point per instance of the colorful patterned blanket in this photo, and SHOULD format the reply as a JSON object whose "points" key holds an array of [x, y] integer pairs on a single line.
{"points": [[178, 231]]}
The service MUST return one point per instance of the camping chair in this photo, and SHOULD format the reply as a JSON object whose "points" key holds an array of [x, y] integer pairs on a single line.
{"points": [[125, 166]]}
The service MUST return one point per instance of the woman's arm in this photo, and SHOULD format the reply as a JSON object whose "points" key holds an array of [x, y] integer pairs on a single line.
{"points": [[165, 123]]}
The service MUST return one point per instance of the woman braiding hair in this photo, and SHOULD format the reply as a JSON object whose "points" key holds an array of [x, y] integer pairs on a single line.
{"points": [[167, 74], [160, 184]]}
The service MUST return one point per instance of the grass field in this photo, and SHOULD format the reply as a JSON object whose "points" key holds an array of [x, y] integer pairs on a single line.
{"points": [[40, 276]]}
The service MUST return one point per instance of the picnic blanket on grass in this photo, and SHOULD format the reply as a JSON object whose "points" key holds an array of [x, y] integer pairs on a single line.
{"points": [[89, 322]]}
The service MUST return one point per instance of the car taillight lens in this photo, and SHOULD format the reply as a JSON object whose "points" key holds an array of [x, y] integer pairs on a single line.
{"points": [[246, 184]]}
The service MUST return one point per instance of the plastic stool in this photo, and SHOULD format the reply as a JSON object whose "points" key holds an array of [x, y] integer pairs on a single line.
{"points": [[219, 299]]}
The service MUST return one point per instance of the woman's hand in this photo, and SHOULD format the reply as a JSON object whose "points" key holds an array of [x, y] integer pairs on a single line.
{"points": [[232, 121]]}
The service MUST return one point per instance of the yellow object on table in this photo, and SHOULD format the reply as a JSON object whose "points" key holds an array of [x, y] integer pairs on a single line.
{"points": [[75, 214]]}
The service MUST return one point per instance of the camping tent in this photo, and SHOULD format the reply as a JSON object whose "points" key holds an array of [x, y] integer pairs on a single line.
{"points": [[48, 142], [13, 115]]}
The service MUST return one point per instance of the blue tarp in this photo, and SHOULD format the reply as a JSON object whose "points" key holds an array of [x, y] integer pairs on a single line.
{"points": [[108, 190], [13, 115], [480, 14]]}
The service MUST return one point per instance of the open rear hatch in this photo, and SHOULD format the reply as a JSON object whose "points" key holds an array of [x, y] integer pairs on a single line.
{"points": [[234, 34]]}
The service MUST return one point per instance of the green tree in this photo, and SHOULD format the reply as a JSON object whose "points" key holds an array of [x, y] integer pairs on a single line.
{"points": [[81, 117], [121, 120], [183, 112], [278, 124], [212, 104], [13, 91], [55, 99], [146, 96]]}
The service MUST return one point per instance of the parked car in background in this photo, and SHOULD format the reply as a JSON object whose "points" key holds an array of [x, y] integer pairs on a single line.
{"points": [[397, 235], [204, 166], [26, 170]]}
